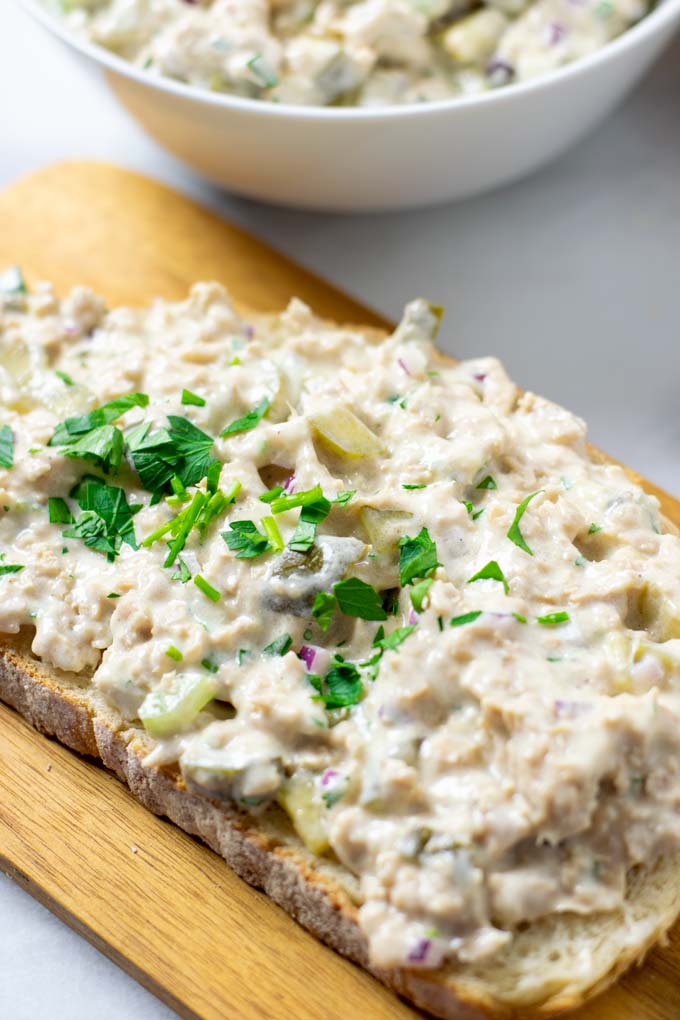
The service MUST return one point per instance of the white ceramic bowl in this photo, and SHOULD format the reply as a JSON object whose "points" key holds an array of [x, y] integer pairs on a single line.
{"points": [[392, 158]]}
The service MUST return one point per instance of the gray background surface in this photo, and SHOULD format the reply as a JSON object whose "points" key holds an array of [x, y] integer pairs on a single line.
{"points": [[572, 277]]}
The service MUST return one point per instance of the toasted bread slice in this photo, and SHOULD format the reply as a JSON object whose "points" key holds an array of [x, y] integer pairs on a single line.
{"points": [[552, 965]]}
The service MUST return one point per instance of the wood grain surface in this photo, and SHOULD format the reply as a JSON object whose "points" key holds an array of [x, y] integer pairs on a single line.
{"points": [[161, 905]]}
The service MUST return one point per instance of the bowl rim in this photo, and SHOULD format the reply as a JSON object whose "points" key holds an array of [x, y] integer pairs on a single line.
{"points": [[654, 21]]}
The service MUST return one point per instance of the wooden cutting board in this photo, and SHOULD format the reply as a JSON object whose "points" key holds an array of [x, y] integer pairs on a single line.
{"points": [[158, 903]]}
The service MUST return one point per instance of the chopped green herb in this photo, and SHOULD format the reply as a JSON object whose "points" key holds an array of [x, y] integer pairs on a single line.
{"points": [[343, 498], [514, 534], [552, 618], [520, 618], [554, 658], [310, 499], [580, 561], [6, 447], [262, 71], [10, 568], [103, 446], [418, 592], [440, 622], [391, 641], [192, 399], [183, 574], [242, 655], [356, 598], [304, 536], [342, 685], [417, 557], [104, 415], [411, 487], [487, 483], [271, 530], [248, 421], [206, 588], [491, 572], [323, 609], [58, 511], [174, 653], [106, 519], [245, 540], [65, 378], [474, 514], [271, 494], [279, 646], [208, 664], [594, 528], [113, 595], [458, 621]]}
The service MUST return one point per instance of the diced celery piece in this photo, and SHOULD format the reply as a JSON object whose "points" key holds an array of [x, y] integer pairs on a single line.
{"points": [[346, 434], [297, 799], [167, 711]]}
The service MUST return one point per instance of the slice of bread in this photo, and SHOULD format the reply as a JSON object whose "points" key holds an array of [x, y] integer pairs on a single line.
{"points": [[551, 966]]}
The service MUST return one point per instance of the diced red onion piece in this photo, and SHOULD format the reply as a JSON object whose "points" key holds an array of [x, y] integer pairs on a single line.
{"points": [[289, 485], [328, 776], [420, 951], [403, 366]]}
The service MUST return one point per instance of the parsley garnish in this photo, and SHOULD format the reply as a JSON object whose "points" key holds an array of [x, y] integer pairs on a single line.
{"points": [[411, 487], [279, 646], [514, 534], [10, 568], [182, 451], [594, 528], [393, 639], [343, 498], [106, 414], [323, 609], [174, 653], [491, 572], [418, 593], [487, 483], [113, 595], [519, 617], [248, 421], [58, 511], [208, 664], [192, 398], [207, 589], [458, 621], [183, 574], [245, 540], [342, 685], [304, 536], [417, 557], [65, 378], [356, 598], [6, 447], [552, 618], [106, 519], [474, 514]]}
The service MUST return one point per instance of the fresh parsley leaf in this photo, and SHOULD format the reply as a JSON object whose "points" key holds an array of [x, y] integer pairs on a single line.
{"points": [[323, 609], [552, 618], [207, 589], [106, 521], [417, 557], [193, 448], [103, 446], [343, 498], [106, 414], [183, 574], [174, 653], [356, 598], [58, 510], [65, 378], [10, 568], [458, 621], [181, 451], [6, 447], [411, 487], [248, 421], [594, 528], [279, 646], [514, 534], [192, 398], [520, 618], [391, 641], [245, 540], [418, 593], [487, 483], [304, 537], [113, 595], [341, 687], [211, 666], [470, 507], [491, 572]]}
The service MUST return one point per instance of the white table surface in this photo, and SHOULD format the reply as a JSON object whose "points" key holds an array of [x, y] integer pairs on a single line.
{"points": [[572, 277]]}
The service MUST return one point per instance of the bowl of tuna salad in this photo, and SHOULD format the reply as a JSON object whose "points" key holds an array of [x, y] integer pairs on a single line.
{"points": [[366, 104]]}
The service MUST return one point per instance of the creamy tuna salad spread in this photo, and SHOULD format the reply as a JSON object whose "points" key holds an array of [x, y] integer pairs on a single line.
{"points": [[351, 52], [338, 572]]}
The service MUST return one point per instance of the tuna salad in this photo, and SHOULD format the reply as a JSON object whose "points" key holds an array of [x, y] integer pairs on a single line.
{"points": [[335, 574], [350, 52]]}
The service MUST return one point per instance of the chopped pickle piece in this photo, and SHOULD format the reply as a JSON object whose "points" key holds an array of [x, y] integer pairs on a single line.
{"points": [[298, 800], [166, 711], [384, 528], [345, 434]]}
